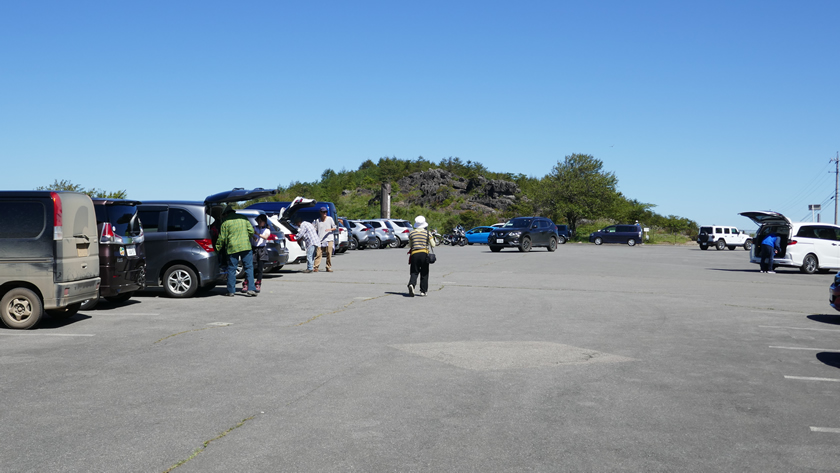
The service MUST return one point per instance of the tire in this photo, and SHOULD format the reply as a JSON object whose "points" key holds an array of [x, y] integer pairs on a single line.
{"points": [[90, 304], [469, 243], [562, 240], [720, 244], [525, 245], [66, 312], [354, 244], [748, 245], [598, 240], [495, 249], [437, 240], [810, 265], [180, 281], [731, 247], [631, 242], [240, 270], [704, 246], [21, 308], [120, 298], [394, 244], [378, 243], [552, 244], [462, 242]]}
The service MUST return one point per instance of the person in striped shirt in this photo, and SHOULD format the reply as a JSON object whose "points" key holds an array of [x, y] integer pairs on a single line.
{"points": [[419, 240], [309, 236]]}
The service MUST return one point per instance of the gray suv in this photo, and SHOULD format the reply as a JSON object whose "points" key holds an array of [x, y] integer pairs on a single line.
{"points": [[180, 241]]}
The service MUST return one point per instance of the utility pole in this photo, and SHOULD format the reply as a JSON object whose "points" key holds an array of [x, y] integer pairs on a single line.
{"points": [[836, 182]]}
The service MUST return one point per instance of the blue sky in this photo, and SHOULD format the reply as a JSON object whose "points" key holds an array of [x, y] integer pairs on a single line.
{"points": [[705, 109]]}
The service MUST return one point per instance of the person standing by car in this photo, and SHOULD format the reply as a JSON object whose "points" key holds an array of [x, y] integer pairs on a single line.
{"points": [[325, 226], [235, 239], [419, 240], [769, 248], [261, 234], [308, 238]]}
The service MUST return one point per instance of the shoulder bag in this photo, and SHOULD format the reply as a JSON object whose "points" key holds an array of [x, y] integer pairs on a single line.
{"points": [[432, 256]]}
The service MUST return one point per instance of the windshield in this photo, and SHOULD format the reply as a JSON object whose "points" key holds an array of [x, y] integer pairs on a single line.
{"points": [[123, 218], [521, 222]]}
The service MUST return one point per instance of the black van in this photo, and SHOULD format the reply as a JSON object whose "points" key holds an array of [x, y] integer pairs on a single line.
{"points": [[122, 255], [49, 255]]}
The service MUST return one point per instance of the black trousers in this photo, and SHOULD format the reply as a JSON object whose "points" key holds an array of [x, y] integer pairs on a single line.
{"points": [[420, 266], [260, 257]]}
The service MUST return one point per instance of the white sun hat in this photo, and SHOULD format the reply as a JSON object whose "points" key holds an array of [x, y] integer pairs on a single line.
{"points": [[420, 222]]}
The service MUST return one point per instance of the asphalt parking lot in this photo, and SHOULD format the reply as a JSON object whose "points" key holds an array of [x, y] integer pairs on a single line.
{"points": [[591, 358]]}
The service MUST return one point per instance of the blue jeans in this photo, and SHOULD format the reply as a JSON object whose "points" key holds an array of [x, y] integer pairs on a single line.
{"points": [[248, 262], [767, 254], [310, 257]]}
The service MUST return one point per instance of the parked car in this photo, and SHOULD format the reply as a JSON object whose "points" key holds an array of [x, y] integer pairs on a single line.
{"points": [[363, 234], [384, 234], [809, 246], [275, 246], [285, 218], [343, 237], [834, 293], [306, 209], [630, 234], [478, 235], [399, 228], [49, 255], [344, 224], [722, 237], [180, 241], [122, 254], [524, 233], [563, 234]]}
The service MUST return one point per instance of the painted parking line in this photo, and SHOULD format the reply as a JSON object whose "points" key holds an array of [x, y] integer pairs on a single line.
{"points": [[830, 430], [38, 334], [807, 348], [801, 328], [805, 378], [121, 314]]}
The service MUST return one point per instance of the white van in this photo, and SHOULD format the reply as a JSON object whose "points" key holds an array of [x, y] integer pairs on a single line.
{"points": [[809, 246], [49, 255]]}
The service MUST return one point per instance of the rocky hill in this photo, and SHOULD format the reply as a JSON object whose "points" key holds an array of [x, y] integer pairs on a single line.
{"points": [[438, 188]]}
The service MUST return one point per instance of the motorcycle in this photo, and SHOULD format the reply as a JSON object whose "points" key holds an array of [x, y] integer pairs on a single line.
{"points": [[437, 237], [457, 237]]}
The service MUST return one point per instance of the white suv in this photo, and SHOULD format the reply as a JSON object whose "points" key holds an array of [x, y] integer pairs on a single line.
{"points": [[723, 237], [809, 246]]}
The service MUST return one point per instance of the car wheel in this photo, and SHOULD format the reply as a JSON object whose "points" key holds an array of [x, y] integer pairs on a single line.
{"points": [[469, 243], [562, 240], [240, 270], [21, 308], [462, 242], [90, 304], [394, 244], [495, 249], [809, 264], [120, 298], [598, 240], [552, 244], [354, 244], [525, 245], [631, 242], [180, 281], [66, 312], [704, 246], [720, 245], [437, 240], [748, 245], [378, 242]]}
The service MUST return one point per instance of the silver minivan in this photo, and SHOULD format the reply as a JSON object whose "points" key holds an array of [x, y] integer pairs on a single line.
{"points": [[49, 255]]}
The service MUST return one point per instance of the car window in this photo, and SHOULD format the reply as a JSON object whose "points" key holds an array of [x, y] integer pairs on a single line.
{"points": [[826, 233], [179, 220], [519, 222], [22, 219], [807, 232], [609, 230], [121, 217], [150, 220], [718, 230]]}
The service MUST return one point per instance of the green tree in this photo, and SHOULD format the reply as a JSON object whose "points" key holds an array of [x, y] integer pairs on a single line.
{"points": [[577, 188], [65, 185]]}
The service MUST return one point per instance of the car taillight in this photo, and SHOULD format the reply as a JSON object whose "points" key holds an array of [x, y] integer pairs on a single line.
{"points": [[107, 233], [406, 231], [272, 237], [385, 230], [792, 242], [206, 244], [291, 237], [58, 233]]}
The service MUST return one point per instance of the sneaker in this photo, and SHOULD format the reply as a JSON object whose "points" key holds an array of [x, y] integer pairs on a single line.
{"points": [[423, 294], [257, 285], [228, 294], [762, 271], [307, 270], [771, 272], [245, 286], [410, 290], [251, 294]]}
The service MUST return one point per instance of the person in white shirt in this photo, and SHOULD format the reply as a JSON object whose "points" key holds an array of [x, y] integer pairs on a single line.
{"points": [[325, 227], [261, 234]]}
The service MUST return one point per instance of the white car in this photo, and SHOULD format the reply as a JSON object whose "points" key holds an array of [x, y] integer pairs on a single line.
{"points": [[721, 237], [809, 246]]}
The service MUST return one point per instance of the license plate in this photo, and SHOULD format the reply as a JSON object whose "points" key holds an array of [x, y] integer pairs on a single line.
{"points": [[131, 250], [500, 240]]}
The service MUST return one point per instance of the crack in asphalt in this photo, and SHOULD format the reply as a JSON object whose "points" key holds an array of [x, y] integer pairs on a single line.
{"points": [[207, 443]]}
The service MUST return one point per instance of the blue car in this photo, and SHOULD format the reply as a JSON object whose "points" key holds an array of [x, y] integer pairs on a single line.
{"points": [[478, 235]]}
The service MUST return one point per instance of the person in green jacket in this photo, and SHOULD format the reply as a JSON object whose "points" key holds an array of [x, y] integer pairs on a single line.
{"points": [[235, 240]]}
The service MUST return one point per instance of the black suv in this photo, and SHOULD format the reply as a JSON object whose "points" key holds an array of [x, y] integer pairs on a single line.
{"points": [[524, 233], [181, 241], [564, 233]]}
